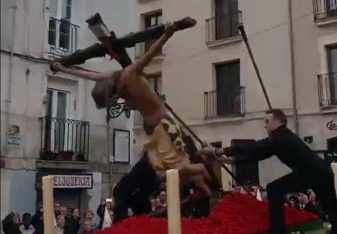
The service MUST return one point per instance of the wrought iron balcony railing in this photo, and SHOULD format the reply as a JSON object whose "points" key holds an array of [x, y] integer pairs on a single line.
{"points": [[223, 26], [327, 89], [221, 104], [64, 139], [324, 9]]}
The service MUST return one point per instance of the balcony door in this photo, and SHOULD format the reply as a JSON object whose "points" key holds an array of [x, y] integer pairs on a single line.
{"points": [[228, 89], [332, 80], [58, 103], [58, 111]]}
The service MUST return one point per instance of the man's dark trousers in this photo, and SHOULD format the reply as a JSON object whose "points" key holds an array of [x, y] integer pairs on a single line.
{"points": [[321, 183]]}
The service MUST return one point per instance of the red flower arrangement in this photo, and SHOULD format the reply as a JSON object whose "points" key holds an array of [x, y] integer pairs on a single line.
{"points": [[235, 214]]}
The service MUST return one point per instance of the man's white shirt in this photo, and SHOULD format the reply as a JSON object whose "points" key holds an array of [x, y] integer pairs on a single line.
{"points": [[30, 230]]}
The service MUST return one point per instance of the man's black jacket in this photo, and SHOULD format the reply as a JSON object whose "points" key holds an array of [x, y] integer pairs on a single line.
{"points": [[284, 144]]}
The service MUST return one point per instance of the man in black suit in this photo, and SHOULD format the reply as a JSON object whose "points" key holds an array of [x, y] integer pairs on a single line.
{"points": [[308, 169]]}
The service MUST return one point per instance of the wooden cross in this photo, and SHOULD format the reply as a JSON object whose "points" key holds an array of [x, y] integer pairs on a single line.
{"points": [[118, 45]]}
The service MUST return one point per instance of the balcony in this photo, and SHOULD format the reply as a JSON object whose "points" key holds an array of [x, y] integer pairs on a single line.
{"points": [[64, 140], [62, 37], [324, 10], [223, 27], [327, 89], [223, 105]]}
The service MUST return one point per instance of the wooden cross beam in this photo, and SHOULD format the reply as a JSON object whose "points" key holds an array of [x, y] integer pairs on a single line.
{"points": [[118, 45]]}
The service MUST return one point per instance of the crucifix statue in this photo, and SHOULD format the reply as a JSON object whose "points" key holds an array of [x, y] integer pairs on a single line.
{"points": [[115, 47]]}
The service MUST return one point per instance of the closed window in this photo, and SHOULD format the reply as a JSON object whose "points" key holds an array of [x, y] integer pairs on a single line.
{"points": [[226, 18], [228, 94], [150, 21], [62, 34]]}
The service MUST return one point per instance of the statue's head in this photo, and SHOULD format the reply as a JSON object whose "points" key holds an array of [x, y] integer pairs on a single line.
{"points": [[105, 92]]}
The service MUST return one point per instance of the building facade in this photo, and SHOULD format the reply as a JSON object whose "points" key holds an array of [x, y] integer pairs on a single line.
{"points": [[49, 122], [208, 78]]}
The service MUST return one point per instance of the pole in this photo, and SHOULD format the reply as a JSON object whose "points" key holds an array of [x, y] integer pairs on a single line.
{"points": [[173, 201], [245, 39], [48, 204]]}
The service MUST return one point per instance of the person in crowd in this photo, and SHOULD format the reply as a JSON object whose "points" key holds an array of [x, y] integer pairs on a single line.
{"points": [[11, 223], [26, 227], [162, 197], [73, 222], [312, 197], [292, 201], [60, 224], [100, 212], [87, 227], [63, 211], [153, 204], [57, 209], [88, 216], [37, 221], [158, 205], [309, 203]]}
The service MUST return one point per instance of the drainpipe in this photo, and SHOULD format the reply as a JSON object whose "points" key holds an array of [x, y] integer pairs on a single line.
{"points": [[28, 4], [292, 66], [27, 72], [10, 72]]}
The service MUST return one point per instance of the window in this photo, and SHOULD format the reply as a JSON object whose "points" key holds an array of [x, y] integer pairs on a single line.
{"points": [[62, 35], [60, 9], [324, 9], [149, 20], [228, 99], [58, 103], [155, 82], [226, 19], [121, 146], [152, 20], [156, 85], [331, 6], [332, 76], [228, 91], [57, 108], [332, 58]]}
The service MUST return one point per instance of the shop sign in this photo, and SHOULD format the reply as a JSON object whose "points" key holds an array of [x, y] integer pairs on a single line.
{"points": [[73, 181]]}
